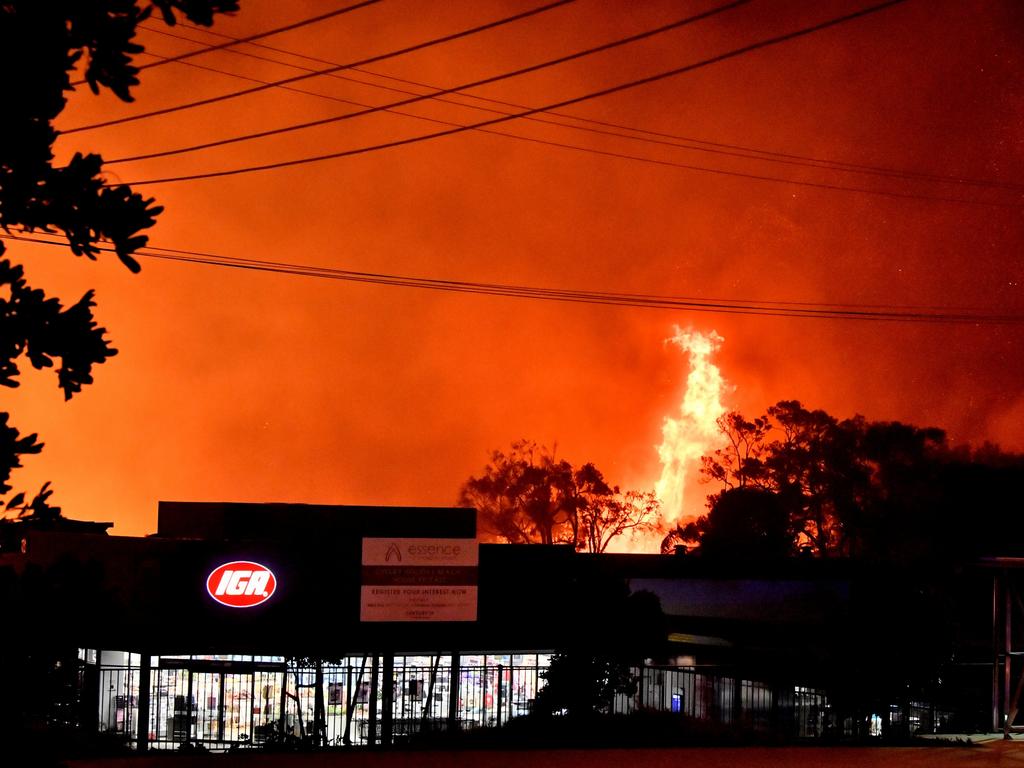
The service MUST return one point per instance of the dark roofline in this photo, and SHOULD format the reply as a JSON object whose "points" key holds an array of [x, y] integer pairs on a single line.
{"points": [[247, 520], [57, 524]]}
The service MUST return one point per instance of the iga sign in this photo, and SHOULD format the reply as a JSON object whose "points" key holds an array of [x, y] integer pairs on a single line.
{"points": [[241, 584], [419, 580]]}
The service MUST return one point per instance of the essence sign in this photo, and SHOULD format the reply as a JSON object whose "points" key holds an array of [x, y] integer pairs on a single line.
{"points": [[241, 584], [419, 580]]}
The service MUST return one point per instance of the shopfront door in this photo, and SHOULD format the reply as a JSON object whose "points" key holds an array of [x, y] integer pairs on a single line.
{"points": [[206, 688], [214, 702], [236, 707]]}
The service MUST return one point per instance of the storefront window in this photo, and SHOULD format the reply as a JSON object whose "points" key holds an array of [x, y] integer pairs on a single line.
{"points": [[224, 699]]}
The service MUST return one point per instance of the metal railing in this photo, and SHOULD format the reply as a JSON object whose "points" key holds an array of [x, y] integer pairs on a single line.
{"points": [[251, 703]]}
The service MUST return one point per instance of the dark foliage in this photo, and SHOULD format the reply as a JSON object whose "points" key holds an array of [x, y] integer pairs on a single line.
{"points": [[909, 513], [613, 631], [42, 44], [579, 684], [43, 712], [527, 496], [744, 524], [882, 492]]}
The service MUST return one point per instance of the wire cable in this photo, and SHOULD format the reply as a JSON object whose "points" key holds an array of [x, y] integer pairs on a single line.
{"points": [[257, 36], [337, 68], [618, 134], [646, 34], [596, 94], [648, 301], [589, 150], [668, 139]]}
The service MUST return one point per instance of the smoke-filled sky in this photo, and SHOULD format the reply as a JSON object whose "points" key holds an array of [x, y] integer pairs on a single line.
{"points": [[239, 385]]}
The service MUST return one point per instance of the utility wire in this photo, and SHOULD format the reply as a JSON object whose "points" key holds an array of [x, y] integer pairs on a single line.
{"points": [[268, 33], [619, 134], [599, 152], [692, 19], [337, 68], [591, 150], [649, 301], [292, 89], [780, 303], [257, 36], [675, 140], [596, 94]]}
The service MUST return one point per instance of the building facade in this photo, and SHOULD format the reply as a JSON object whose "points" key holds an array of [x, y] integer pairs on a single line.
{"points": [[243, 624]]}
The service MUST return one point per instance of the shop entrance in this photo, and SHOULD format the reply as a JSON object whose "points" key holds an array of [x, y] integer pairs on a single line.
{"points": [[214, 702]]}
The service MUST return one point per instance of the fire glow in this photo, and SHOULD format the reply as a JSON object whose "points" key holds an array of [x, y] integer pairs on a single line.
{"points": [[694, 432]]}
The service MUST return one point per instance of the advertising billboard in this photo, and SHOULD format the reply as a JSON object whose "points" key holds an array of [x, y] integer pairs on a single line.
{"points": [[406, 579]]}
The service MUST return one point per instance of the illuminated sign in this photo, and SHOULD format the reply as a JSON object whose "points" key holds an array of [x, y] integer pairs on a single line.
{"points": [[419, 580], [241, 584]]}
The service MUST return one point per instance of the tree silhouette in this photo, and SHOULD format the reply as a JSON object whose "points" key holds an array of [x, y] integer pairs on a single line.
{"points": [[527, 496], [883, 491], [739, 463], [524, 496], [743, 523], [814, 469], [606, 518], [613, 630], [41, 45]]}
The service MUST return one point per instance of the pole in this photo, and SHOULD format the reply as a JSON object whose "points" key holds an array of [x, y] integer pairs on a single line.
{"points": [[453, 692], [995, 652], [501, 673], [641, 704], [93, 693], [283, 720], [188, 708], [1008, 642], [142, 731], [388, 699], [371, 738]]}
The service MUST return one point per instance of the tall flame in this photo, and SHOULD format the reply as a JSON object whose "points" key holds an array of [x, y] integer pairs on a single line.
{"points": [[695, 432]]}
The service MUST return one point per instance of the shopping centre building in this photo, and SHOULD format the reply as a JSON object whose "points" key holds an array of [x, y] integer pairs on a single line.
{"points": [[248, 623]]}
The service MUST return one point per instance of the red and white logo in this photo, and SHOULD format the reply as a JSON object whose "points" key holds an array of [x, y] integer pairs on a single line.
{"points": [[241, 584]]}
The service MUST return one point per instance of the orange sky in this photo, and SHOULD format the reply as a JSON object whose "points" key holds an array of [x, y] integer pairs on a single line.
{"points": [[245, 386]]}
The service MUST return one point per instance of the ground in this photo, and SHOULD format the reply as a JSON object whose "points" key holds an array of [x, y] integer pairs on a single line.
{"points": [[985, 753]]}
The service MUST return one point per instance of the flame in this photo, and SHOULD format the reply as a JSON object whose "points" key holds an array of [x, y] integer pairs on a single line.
{"points": [[695, 432]]}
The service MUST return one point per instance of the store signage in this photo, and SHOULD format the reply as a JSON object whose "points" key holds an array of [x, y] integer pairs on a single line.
{"points": [[419, 580], [241, 584]]}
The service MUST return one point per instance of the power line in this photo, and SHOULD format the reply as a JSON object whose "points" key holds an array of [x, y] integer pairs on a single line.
{"points": [[337, 68], [594, 151], [268, 33], [249, 78], [258, 35], [719, 300], [473, 84], [736, 174], [647, 301], [596, 94], [624, 156], [668, 139]]}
